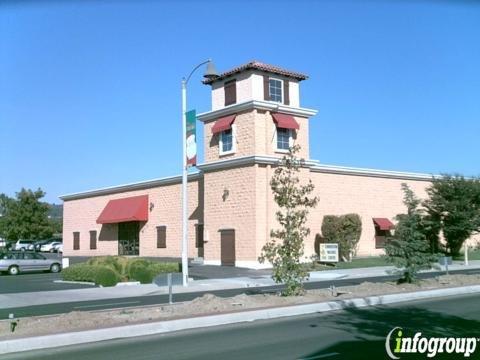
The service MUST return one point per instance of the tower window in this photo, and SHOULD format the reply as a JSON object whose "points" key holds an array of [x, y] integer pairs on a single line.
{"points": [[230, 92], [275, 90], [283, 138], [226, 141]]}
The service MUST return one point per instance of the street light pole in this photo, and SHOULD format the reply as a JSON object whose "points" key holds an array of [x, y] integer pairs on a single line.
{"points": [[209, 74], [184, 187]]}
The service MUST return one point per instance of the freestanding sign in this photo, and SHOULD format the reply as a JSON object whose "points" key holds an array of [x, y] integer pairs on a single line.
{"points": [[190, 136], [329, 252]]}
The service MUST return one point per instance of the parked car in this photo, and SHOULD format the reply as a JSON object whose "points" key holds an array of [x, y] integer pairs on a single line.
{"points": [[49, 247], [15, 262], [59, 248], [23, 245], [38, 244], [3, 243]]}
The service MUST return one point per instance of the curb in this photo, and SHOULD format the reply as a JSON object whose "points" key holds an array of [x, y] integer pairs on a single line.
{"points": [[73, 282], [89, 336]]}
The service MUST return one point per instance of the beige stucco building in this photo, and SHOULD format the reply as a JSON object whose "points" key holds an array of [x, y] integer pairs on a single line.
{"points": [[256, 115]]}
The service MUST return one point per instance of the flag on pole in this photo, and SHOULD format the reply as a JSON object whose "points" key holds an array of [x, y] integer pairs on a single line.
{"points": [[191, 138]]}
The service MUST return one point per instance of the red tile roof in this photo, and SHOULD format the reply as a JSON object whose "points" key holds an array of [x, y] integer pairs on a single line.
{"points": [[257, 65]]}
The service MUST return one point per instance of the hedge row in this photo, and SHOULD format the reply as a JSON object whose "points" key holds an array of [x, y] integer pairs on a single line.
{"points": [[109, 270], [100, 275]]}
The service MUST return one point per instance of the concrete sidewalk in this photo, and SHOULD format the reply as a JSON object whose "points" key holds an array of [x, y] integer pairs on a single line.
{"points": [[17, 345], [16, 300]]}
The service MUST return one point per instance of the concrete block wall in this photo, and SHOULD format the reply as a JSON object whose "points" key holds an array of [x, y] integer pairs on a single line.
{"points": [[244, 125], [266, 140], [230, 204], [250, 87], [255, 134], [81, 214]]}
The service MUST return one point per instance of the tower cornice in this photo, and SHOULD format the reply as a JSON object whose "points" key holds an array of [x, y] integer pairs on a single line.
{"points": [[259, 105]]}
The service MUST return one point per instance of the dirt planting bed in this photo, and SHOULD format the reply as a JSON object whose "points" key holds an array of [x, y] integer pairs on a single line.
{"points": [[211, 304]]}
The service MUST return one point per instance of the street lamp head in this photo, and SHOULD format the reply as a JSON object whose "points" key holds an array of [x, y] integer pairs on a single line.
{"points": [[210, 72]]}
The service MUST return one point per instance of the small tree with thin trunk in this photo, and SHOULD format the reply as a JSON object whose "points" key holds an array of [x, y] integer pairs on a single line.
{"points": [[285, 248], [409, 249]]}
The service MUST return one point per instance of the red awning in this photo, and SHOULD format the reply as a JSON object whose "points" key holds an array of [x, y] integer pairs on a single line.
{"points": [[383, 223], [223, 124], [285, 121], [127, 209]]}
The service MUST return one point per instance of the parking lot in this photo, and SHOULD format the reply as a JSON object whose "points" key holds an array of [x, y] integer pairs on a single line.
{"points": [[29, 282], [35, 281]]}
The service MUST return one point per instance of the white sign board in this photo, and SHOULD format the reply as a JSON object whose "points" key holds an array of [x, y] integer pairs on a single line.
{"points": [[329, 253]]}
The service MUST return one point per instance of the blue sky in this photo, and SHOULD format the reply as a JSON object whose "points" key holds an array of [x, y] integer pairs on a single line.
{"points": [[90, 90]]}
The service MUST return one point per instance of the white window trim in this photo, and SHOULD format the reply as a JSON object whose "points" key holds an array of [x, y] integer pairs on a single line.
{"points": [[234, 142], [281, 89], [275, 142]]}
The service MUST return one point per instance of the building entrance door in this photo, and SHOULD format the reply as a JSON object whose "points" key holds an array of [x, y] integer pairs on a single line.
{"points": [[199, 239], [227, 250], [128, 238]]}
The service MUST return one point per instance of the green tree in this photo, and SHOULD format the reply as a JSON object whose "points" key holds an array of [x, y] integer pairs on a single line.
{"points": [[453, 206], [5, 202], [344, 230], [409, 249], [26, 217], [285, 248]]}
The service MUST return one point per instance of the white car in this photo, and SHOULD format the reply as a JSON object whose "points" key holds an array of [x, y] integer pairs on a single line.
{"points": [[59, 248], [23, 245], [50, 247]]}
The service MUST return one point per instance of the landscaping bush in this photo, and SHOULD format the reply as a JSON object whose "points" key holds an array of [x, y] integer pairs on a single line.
{"points": [[165, 267], [109, 270], [146, 270], [79, 272], [117, 263], [140, 271], [105, 276], [344, 230], [98, 274]]}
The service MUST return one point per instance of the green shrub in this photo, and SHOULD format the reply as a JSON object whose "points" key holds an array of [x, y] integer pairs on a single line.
{"points": [[344, 230], [146, 270], [79, 272], [106, 276], [98, 274], [141, 272], [109, 270], [117, 263], [165, 267]]}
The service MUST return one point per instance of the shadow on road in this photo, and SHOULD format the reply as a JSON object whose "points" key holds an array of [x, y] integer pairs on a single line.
{"points": [[370, 327]]}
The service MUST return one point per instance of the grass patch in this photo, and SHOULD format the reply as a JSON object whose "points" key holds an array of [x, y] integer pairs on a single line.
{"points": [[109, 270], [472, 255], [354, 264]]}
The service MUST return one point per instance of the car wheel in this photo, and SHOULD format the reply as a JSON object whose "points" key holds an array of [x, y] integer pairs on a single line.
{"points": [[13, 270], [52, 250], [55, 268], [22, 249]]}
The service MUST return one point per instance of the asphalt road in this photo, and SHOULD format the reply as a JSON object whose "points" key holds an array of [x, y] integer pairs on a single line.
{"points": [[347, 334], [49, 309]]}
